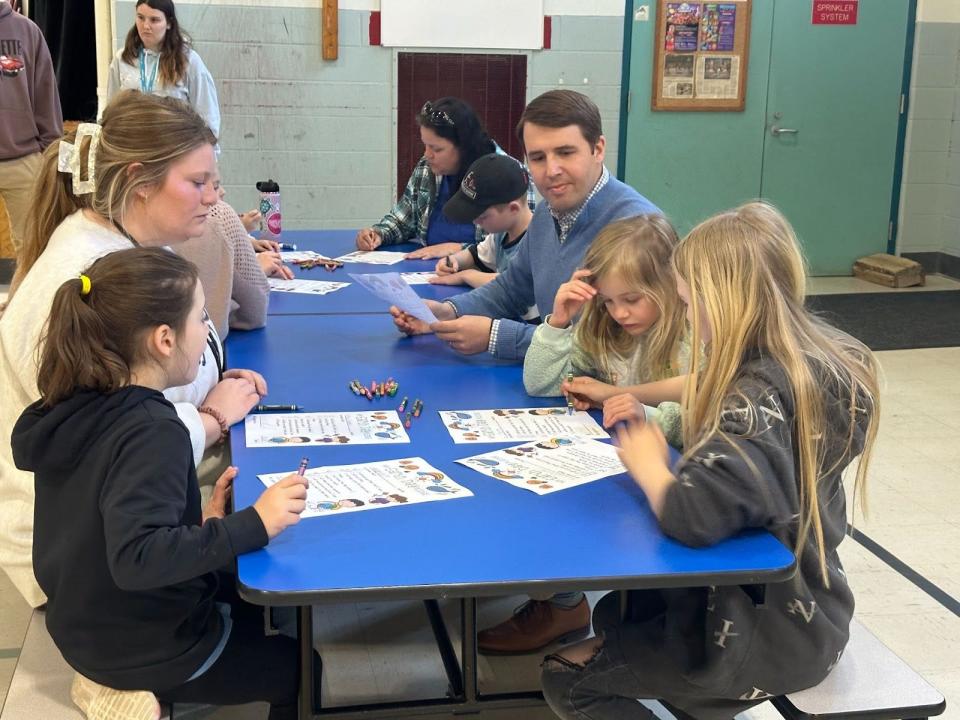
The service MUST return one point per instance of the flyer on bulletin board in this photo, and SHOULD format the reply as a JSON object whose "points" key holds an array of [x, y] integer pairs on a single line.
{"points": [[718, 27], [683, 27]]}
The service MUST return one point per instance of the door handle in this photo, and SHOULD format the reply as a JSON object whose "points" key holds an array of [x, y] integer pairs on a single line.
{"points": [[777, 130]]}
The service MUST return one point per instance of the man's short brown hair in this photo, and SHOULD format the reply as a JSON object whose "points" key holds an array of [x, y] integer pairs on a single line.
{"points": [[560, 108]]}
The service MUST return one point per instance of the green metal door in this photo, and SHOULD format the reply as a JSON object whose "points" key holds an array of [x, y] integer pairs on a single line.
{"points": [[833, 113], [837, 87], [693, 164]]}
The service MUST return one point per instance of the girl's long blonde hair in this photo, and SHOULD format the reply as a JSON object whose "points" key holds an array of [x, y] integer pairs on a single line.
{"points": [[638, 250], [747, 276]]}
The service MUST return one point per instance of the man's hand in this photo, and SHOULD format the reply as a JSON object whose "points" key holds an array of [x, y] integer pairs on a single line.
{"points": [[409, 325], [468, 335]]}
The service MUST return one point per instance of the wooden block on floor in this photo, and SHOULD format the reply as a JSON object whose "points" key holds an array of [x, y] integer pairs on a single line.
{"points": [[889, 270]]}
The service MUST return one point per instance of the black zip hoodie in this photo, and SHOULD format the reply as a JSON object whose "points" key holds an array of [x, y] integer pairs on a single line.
{"points": [[118, 545]]}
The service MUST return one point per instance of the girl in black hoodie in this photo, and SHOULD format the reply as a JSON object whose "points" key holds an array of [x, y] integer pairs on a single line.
{"points": [[123, 550]]}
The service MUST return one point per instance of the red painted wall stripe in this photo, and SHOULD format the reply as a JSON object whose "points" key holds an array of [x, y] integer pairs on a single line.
{"points": [[375, 27], [547, 31]]}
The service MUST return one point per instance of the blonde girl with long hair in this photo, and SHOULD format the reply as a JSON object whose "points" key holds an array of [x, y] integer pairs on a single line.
{"points": [[781, 406], [630, 329]]}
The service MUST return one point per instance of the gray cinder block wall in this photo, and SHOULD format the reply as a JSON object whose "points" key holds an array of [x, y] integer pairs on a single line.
{"points": [[930, 218], [325, 130]]}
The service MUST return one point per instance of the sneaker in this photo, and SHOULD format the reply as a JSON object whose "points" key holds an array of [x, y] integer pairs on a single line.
{"points": [[98, 702], [534, 625]]}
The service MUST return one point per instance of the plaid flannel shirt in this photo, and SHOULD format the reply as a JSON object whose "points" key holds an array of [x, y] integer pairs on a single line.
{"points": [[410, 217]]}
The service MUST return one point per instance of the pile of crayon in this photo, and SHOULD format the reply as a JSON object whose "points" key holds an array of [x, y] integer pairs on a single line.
{"points": [[387, 388], [328, 264], [413, 413]]}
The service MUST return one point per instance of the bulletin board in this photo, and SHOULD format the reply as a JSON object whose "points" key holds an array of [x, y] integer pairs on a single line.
{"points": [[700, 55]]}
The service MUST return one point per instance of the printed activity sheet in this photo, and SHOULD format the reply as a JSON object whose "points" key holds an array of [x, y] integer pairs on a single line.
{"points": [[523, 424], [338, 489], [549, 465], [373, 257], [418, 278], [304, 287], [393, 289], [325, 428]]}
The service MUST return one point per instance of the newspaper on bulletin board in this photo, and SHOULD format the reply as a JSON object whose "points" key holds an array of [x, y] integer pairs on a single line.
{"points": [[700, 55]]}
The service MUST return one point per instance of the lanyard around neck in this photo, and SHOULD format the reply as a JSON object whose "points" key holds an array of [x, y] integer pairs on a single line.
{"points": [[144, 86]]}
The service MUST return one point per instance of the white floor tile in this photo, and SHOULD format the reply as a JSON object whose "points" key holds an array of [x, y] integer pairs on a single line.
{"points": [[843, 285]]}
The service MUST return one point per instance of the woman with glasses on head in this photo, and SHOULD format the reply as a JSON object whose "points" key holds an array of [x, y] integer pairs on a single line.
{"points": [[453, 138]]}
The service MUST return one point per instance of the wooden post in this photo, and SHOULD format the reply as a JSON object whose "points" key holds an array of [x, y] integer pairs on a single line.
{"points": [[331, 38]]}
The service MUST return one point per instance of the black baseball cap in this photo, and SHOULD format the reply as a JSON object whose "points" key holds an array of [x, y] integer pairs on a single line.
{"points": [[493, 179]]}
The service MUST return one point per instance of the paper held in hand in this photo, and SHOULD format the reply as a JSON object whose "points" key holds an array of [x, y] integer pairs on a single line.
{"points": [[394, 290]]}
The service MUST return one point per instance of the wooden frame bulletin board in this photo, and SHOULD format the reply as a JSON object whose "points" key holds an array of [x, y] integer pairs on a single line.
{"points": [[700, 55]]}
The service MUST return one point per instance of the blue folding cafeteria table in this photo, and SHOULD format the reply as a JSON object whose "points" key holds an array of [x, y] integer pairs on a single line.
{"points": [[355, 298], [498, 542]]}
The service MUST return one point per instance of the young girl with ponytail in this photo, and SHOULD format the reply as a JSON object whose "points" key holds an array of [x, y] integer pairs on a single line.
{"points": [[122, 549]]}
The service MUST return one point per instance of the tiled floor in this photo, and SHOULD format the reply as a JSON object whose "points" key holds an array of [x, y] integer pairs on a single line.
{"points": [[383, 651]]}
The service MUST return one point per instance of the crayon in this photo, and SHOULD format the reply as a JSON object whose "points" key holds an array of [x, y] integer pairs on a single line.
{"points": [[403, 404], [569, 396], [407, 421], [303, 466], [417, 407], [287, 246], [279, 408]]}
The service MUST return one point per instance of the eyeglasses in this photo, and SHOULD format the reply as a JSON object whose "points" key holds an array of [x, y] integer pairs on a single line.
{"points": [[436, 117]]}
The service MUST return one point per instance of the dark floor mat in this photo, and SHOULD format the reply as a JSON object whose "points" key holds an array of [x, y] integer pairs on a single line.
{"points": [[894, 321]]}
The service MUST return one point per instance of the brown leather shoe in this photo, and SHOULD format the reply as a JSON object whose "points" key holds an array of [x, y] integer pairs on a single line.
{"points": [[534, 625]]}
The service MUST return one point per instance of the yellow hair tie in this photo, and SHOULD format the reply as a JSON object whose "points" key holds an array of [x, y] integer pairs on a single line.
{"points": [[84, 285]]}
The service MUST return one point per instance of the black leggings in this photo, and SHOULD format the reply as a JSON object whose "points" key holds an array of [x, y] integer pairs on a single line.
{"points": [[251, 668]]}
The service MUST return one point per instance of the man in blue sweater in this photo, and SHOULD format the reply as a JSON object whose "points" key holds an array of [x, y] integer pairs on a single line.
{"points": [[564, 144]]}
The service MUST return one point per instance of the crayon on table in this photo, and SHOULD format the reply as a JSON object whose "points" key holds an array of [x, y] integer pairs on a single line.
{"points": [[279, 408], [287, 246]]}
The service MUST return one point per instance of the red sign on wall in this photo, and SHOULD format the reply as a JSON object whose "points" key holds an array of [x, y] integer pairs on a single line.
{"points": [[835, 12]]}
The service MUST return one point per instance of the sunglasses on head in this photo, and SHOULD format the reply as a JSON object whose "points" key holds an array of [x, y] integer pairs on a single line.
{"points": [[436, 117]]}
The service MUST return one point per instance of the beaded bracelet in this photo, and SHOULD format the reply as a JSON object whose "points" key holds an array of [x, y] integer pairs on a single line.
{"points": [[218, 416]]}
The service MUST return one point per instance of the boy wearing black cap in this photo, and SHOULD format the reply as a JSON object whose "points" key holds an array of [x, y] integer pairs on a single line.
{"points": [[493, 195]]}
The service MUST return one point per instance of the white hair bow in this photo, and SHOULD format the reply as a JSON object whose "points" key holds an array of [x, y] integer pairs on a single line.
{"points": [[69, 159]]}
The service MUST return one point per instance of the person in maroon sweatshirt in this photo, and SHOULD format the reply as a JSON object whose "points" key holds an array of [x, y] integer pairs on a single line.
{"points": [[30, 117]]}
